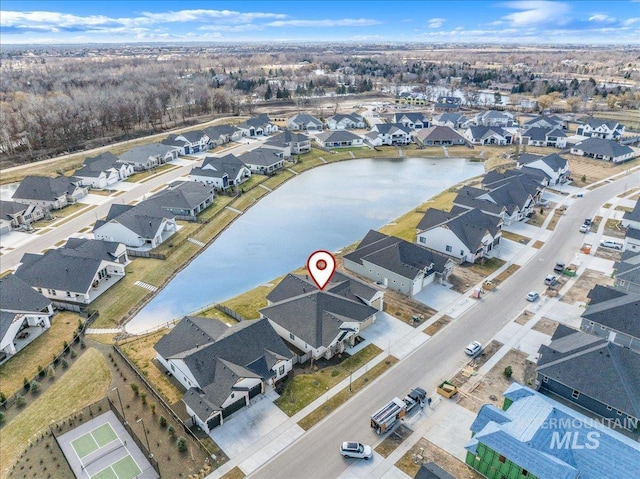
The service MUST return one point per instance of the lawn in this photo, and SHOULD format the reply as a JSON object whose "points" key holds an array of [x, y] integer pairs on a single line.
{"points": [[303, 389], [488, 267], [89, 369], [38, 353], [247, 199], [248, 303], [515, 237], [144, 175]]}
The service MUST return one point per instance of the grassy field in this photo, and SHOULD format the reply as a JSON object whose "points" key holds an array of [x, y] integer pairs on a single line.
{"points": [[248, 303], [38, 353], [68, 394]]}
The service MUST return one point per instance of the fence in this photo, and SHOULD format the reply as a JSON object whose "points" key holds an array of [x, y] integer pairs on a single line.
{"points": [[162, 401], [11, 400], [145, 254]]}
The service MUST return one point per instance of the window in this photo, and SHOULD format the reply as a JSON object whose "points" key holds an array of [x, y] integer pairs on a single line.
{"points": [[502, 459], [423, 239], [461, 252], [590, 323], [293, 338], [233, 395], [601, 327], [448, 249], [281, 370], [525, 473], [173, 368], [619, 413], [575, 394], [545, 379], [68, 294]]}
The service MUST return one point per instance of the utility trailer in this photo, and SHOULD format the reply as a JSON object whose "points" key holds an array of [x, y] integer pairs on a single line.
{"points": [[387, 416]]}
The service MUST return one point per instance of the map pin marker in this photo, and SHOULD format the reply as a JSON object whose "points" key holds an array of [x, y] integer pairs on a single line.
{"points": [[321, 266]]}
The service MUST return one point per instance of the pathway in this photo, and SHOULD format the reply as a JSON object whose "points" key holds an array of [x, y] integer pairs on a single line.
{"points": [[148, 286], [233, 209], [293, 171], [195, 241], [265, 187]]}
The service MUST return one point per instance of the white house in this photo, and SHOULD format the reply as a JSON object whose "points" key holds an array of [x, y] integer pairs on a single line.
{"points": [[599, 149], [257, 126], [495, 118], [488, 135], [553, 165], [49, 193], [262, 161], [338, 139], [221, 172], [304, 122], [413, 120], [390, 134], [145, 157], [598, 128], [346, 122]]}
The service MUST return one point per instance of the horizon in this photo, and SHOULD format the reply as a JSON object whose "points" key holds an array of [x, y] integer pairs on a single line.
{"points": [[526, 22]]}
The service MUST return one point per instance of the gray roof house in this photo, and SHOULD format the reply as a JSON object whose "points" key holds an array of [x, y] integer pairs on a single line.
{"points": [[495, 118], [346, 122], [262, 161], [338, 139], [613, 314], [631, 219], [627, 270], [511, 201], [50, 193], [21, 215], [593, 373], [77, 273], [448, 103], [540, 136], [607, 150], [598, 128], [431, 470], [145, 157], [289, 143], [222, 368], [24, 315], [488, 135], [185, 199], [102, 171], [534, 178], [466, 235], [397, 264], [319, 324], [553, 165], [189, 141], [439, 136], [536, 436], [143, 226], [546, 122], [632, 240], [221, 172], [452, 120], [257, 126], [390, 134], [413, 120], [221, 134], [304, 122]]}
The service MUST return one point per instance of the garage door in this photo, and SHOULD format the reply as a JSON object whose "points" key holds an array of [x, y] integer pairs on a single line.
{"points": [[213, 422], [233, 407], [255, 390]]}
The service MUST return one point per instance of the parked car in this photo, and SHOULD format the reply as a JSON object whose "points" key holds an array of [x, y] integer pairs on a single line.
{"points": [[584, 228], [550, 280], [587, 221], [532, 296], [356, 450], [611, 244], [559, 267], [473, 349]]}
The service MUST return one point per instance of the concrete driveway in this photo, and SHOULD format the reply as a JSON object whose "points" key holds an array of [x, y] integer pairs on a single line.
{"points": [[507, 250], [437, 296], [391, 335]]}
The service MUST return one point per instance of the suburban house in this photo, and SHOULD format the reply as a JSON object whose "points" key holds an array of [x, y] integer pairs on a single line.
{"points": [[627, 270], [512, 201], [431, 470], [143, 226], [338, 139], [466, 235], [77, 273], [189, 141], [222, 368], [534, 436], [289, 143], [452, 120], [346, 122], [257, 126], [546, 122], [222, 134], [600, 149], [411, 98], [319, 324], [632, 240], [488, 135], [262, 161], [540, 136], [447, 104], [389, 134], [49, 193], [438, 136], [24, 315], [612, 314], [397, 264], [554, 166], [631, 219], [593, 373], [413, 120], [5, 226], [221, 172], [103, 170], [21, 215], [353, 289], [495, 118], [184, 199], [145, 157], [304, 122], [532, 178], [598, 128]]}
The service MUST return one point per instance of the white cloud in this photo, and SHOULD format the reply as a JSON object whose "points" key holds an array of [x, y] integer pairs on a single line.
{"points": [[536, 12], [631, 21], [206, 15], [435, 22], [34, 19], [601, 17], [345, 22]]}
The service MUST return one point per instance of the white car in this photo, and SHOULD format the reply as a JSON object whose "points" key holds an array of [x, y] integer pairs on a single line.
{"points": [[585, 228], [532, 296], [356, 450], [473, 349], [611, 244]]}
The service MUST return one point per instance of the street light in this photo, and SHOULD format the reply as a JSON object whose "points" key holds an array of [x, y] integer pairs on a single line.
{"points": [[145, 436], [120, 401], [350, 376]]}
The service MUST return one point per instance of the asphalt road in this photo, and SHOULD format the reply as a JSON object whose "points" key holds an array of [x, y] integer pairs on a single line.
{"points": [[315, 454]]}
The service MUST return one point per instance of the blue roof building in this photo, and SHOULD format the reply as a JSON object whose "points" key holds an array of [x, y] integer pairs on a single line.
{"points": [[537, 437]]}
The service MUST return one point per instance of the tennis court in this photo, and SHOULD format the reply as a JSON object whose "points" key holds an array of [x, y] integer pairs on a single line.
{"points": [[103, 449]]}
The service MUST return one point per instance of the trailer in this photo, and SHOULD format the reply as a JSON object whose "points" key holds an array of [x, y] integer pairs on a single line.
{"points": [[387, 416]]}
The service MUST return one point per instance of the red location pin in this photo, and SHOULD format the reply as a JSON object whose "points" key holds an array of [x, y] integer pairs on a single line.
{"points": [[321, 266]]}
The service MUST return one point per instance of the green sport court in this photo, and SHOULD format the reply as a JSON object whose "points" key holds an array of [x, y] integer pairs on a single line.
{"points": [[94, 440], [125, 468]]}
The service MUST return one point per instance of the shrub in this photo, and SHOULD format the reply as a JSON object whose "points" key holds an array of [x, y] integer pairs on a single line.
{"points": [[34, 386], [181, 443], [51, 372], [135, 389], [3, 398], [334, 373], [80, 324], [507, 372], [41, 371], [143, 397], [153, 408], [162, 421], [1, 417], [64, 363], [171, 430], [584, 178], [73, 353], [20, 400], [25, 384]]}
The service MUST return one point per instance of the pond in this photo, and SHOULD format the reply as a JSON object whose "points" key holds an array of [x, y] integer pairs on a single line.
{"points": [[328, 208]]}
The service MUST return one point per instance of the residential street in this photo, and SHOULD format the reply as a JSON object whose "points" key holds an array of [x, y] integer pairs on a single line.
{"points": [[315, 454]]}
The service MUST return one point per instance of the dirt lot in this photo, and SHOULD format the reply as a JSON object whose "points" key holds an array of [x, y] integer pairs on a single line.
{"points": [[464, 279], [425, 451], [464, 375], [393, 440], [401, 307], [546, 326], [489, 389], [594, 170], [585, 283]]}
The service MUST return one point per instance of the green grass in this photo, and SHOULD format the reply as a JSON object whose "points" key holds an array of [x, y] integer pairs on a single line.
{"points": [[247, 199], [89, 369], [515, 237], [303, 389], [250, 302], [144, 175]]}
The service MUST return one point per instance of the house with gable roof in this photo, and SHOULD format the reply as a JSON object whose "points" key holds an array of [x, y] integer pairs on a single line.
{"points": [[389, 134], [466, 235], [24, 315], [338, 139], [222, 368], [534, 436], [21, 215], [568, 366], [448, 104], [304, 122], [512, 201], [257, 126], [539, 136], [627, 270], [184, 199], [262, 161], [599, 149], [77, 273], [439, 136], [102, 171], [545, 122], [495, 118], [531, 178], [452, 120], [346, 122], [631, 219], [599, 128], [49, 193], [288, 143], [397, 264], [151, 155], [221, 172], [143, 226], [553, 165], [488, 135], [413, 120], [222, 134], [193, 141]]}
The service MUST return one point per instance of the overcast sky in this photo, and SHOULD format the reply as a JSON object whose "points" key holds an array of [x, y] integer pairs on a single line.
{"points": [[523, 21]]}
